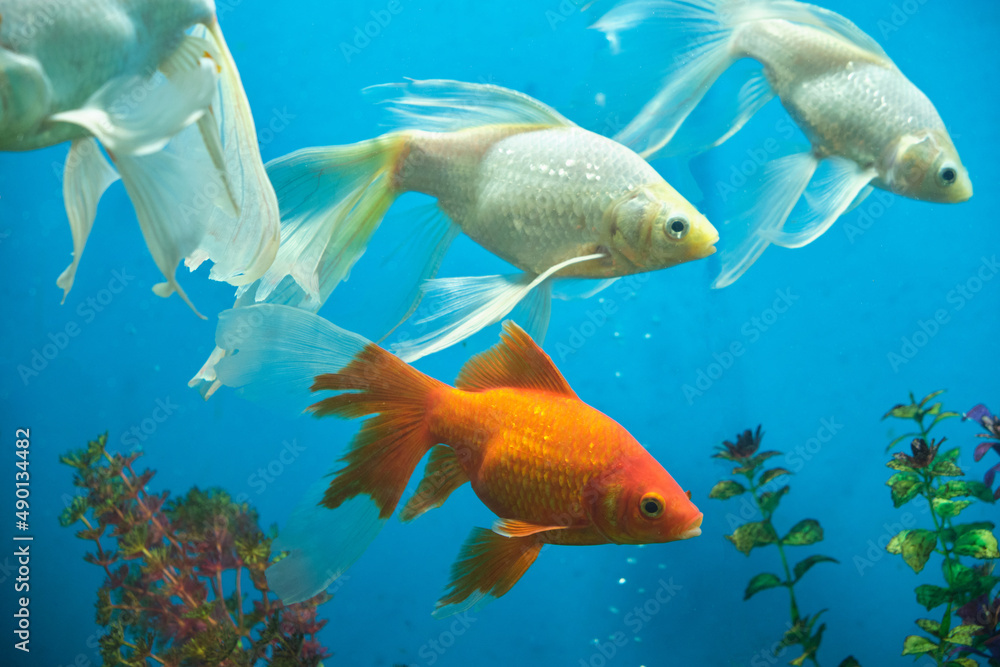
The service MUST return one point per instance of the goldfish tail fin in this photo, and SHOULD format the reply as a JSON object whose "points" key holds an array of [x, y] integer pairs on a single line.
{"points": [[488, 566], [442, 475], [321, 544], [332, 200], [385, 452]]}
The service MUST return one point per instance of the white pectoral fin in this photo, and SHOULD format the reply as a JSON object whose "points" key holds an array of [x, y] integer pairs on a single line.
{"points": [[86, 176], [441, 105], [138, 115], [770, 202], [467, 305], [838, 183]]}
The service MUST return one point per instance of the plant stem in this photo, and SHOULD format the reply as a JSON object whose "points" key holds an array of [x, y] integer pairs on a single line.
{"points": [[781, 550]]}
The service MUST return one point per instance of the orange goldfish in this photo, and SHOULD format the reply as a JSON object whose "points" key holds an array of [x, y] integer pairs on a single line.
{"points": [[555, 470]]}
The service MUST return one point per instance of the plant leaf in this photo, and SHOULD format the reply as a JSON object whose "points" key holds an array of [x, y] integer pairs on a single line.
{"points": [[762, 582], [945, 468], [915, 645], [963, 635], [750, 535], [902, 411], [979, 543], [948, 509], [942, 417], [805, 564], [807, 531], [896, 464], [929, 626], [849, 661], [915, 546], [961, 662], [904, 487], [769, 500], [896, 441], [931, 596], [961, 487], [768, 475], [726, 489]]}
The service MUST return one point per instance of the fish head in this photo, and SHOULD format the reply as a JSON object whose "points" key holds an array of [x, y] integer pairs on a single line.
{"points": [[653, 227], [927, 167], [642, 504]]}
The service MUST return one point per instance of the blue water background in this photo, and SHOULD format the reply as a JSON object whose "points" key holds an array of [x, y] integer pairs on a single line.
{"points": [[854, 298]]}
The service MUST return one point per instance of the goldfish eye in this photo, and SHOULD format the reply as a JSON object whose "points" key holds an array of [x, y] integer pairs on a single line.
{"points": [[676, 228], [651, 505], [947, 175]]}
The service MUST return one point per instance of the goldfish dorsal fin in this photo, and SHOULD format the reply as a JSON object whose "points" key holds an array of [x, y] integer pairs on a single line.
{"points": [[516, 361], [516, 528]]}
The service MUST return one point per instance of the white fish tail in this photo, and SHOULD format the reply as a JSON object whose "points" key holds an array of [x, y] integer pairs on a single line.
{"points": [[332, 200]]}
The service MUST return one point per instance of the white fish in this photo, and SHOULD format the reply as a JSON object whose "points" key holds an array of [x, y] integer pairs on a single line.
{"points": [[551, 198], [155, 85], [869, 126]]}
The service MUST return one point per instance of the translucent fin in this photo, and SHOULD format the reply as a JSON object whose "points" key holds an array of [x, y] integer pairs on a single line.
{"points": [[415, 259], [567, 289], [467, 305], [516, 361], [442, 475], [86, 176], [712, 127], [535, 310], [321, 544], [773, 198], [332, 200], [145, 127], [516, 528], [837, 183], [487, 567], [242, 244], [862, 196], [441, 105], [273, 353]]}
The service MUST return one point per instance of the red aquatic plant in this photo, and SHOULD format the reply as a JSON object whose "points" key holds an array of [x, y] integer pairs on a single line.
{"points": [[175, 590], [991, 423]]}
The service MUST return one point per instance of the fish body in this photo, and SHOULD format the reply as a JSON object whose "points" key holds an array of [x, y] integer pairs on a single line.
{"points": [[538, 196], [54, 57], [867, 124], [148, 92], [552, 468]]}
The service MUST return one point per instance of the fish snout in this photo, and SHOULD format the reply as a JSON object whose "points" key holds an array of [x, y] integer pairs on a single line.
{"points": [[693, 529], [703, 243]]}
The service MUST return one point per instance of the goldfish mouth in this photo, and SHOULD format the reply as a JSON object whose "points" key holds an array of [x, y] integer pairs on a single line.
{"points": [[694, 530]]}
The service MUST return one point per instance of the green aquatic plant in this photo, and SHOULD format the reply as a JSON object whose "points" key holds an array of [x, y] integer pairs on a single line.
{"points": [[929, 474], [760, 490], [168, 565]]}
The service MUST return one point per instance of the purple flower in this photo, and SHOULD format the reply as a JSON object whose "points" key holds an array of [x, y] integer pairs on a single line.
{"points": [[991, 423]]}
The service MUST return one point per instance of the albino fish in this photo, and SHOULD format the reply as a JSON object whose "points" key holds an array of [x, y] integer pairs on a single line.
{"points": [[551, 198], [869, 126], [155, 85], [553, 469]]}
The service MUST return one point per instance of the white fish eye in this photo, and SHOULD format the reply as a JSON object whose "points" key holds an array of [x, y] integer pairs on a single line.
{"points": [[947, 175], [676, 228]]}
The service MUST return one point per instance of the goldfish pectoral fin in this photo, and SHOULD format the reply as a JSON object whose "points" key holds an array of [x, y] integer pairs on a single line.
{"points": [[487, 567], [85, 178], [467, 305], [702, 131], [332, 200], [515, 528], [566, 289], [273, 353], [516, 361], [836, 184], [138, 115], [442, 475], [205, 381], [764, 207], [321, 544], [442, 105], [414, 259]]}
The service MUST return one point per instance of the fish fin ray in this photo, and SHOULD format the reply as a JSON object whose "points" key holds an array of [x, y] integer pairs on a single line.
{"points": [[783, 182], [567, 289], [516, 362], [86, 176], [467, 305], [838, 183], [488, 565], [442, 475], [442, 105], [535, 311], [321, 544], [516, 528]]}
